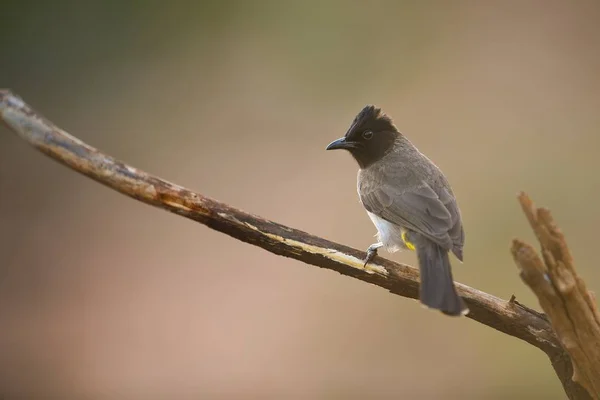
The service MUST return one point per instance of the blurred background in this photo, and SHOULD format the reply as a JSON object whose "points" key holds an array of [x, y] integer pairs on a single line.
{"points": [[103, 297]]}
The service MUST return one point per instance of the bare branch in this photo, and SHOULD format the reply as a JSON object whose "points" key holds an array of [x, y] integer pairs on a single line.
{"points": [[509, 317], [562, 294]]}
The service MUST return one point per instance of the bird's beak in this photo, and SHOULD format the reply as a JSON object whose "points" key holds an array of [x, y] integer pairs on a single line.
{"points": [[339, 144]]}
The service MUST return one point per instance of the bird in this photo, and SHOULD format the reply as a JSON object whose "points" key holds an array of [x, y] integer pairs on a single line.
{"points": [[410, 202]]}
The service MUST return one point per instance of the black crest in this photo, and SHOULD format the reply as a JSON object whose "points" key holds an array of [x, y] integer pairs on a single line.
{"points": [[371, 118], [371, 136]]}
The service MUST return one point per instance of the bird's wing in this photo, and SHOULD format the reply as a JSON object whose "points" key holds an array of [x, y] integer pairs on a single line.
{"points": [[421, 208]]}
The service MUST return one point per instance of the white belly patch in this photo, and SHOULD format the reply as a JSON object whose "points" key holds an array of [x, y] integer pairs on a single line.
{"points": [[387, 233]]}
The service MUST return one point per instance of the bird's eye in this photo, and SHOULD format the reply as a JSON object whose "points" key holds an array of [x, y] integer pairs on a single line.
{"points": [[367, 135]]}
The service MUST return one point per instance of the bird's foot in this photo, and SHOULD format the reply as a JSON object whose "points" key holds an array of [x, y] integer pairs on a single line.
{"points": [[372, 252]]}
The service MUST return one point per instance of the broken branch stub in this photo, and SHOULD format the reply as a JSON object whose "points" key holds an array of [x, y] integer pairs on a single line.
{"points": [[562, 294]]}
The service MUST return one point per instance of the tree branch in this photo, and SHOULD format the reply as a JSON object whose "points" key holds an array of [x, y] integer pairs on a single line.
{"points": [[562, 294], [508, 317]]}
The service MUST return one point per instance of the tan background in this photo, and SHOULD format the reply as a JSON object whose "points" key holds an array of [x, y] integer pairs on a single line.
{"points": [[102, 297]]}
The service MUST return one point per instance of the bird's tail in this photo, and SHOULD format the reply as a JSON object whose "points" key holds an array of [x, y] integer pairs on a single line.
{"points": [[437, 285]]}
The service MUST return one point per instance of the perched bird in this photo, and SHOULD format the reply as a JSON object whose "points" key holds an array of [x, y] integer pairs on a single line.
{"points": [[410, 203]]}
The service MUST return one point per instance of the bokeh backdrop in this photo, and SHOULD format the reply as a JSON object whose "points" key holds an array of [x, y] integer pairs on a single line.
{"points": [[103, 297]]}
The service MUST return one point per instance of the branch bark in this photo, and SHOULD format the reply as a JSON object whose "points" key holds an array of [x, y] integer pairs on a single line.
{"points": [[562, 295], [509, 317]]}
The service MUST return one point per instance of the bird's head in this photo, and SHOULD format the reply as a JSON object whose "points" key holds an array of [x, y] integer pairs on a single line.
{"points": [[370, 137]]}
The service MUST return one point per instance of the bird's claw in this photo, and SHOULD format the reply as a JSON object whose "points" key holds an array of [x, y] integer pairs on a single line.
{"points": [[371, 253]]}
